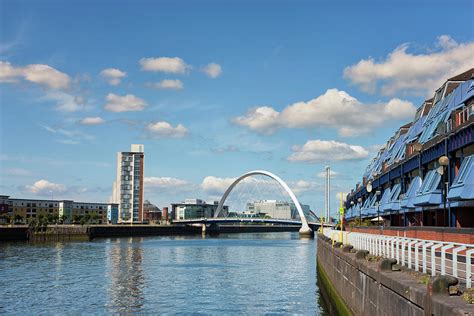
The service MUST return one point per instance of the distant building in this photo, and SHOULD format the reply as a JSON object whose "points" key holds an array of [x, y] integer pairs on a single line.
{"points": [[165, 213], [151, 213], [127, 189], [196, 208], [32, 209], [4, 204], [112, 213], [274, 209], [72, 211]]}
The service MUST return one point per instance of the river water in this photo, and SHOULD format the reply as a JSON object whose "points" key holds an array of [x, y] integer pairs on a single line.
{"points": [[267, 273]]}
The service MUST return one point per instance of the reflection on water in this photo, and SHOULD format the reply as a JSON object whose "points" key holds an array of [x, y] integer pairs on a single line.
{"points": [[245, 274], [125, 275]]}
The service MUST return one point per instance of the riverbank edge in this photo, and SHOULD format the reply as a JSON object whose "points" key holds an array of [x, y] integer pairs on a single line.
{"points": [[332, 295], [368, 289], [84, 233]]}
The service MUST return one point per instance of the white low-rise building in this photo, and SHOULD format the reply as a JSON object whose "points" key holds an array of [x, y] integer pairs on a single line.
{"points": [[274, 209]]}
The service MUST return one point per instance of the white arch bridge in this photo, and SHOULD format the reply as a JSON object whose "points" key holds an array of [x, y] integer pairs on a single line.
{"points": [[306, 227]]}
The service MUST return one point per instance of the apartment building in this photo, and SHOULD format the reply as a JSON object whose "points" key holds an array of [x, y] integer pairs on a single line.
{"points": [[127, 189], [71, 211], [424, 175]]}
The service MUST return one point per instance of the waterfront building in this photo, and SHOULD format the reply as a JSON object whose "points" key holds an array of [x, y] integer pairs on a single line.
{"points": [[127, 189], [196, 208], [274, 209], [424, 174], [112, 213], [27, 210], [73, 212], [30, 209], [4, 204], [151, 213], [165, 213]]}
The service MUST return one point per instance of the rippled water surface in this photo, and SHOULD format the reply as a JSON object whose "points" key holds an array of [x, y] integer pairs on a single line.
{"points": [[244, 273]]}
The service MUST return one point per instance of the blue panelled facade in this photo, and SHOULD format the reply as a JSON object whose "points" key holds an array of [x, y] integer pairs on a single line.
{"points": [[424, 175]]}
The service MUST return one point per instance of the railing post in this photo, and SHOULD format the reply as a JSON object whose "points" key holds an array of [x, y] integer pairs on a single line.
{"points": [[404, 244], [417, 259], [443, 257], [411, 243], [424, 255], [433, 258], [397, 249], [455, 260], [469, 253]]}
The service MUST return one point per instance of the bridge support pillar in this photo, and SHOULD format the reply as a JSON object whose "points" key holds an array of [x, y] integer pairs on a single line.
{"points": [[203, 228], [306, 231]]}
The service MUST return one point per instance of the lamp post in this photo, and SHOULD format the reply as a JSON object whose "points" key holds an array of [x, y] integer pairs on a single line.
{"points": [[444, 162], [352, 207]]}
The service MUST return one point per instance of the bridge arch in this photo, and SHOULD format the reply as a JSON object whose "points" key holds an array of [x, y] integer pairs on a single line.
{"points": [[305, 229]]}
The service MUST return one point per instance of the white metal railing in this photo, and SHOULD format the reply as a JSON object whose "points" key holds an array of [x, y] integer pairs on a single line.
{"points": [[427, 255]]}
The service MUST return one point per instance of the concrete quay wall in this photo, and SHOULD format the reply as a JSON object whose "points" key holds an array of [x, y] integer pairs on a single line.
{"points": [[14, 233], [78, 232], [367, 289]]}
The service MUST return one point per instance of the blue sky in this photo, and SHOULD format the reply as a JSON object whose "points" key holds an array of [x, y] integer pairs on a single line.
{"points": [[214, 89]]}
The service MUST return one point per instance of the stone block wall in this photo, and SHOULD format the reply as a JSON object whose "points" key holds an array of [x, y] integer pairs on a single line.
{"points": [[366, 289]]}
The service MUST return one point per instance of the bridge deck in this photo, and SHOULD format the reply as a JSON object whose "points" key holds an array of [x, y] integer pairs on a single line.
{"points": [[246, 220]]}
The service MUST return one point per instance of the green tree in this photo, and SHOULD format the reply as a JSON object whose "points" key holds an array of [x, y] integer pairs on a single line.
{"points": [[63, 218], [18, 219], [5, 219], [76, 219], [94, 218], [52, 219]]}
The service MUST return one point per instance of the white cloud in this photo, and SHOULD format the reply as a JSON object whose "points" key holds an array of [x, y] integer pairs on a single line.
{"points": [[164, 64], [113, 75], [326, 150], [171, 84], [40, 74], [129, 102], [263, 119], [163, 183], [165, 129], [334, 109], [216, 186], [213, 70], [44, 187], [95, 120], [302, 186], [418, 74], [65, 102], [68, 137]]}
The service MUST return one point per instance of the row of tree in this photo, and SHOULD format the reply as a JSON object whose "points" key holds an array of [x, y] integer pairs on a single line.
{"points": [[50, 219]]}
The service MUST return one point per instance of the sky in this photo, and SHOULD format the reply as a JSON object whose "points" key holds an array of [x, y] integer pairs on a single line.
{"points": [[214, 89]]}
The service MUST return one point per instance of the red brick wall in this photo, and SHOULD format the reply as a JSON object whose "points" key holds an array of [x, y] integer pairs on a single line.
{"points": [[420, 233]]}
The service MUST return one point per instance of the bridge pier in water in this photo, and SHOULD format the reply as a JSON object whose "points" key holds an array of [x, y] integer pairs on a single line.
{"points": [[210, 228], [306, 232]]}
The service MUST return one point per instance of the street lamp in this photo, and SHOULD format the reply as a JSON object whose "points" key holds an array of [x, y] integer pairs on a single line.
{"points": [[444, 162], [352, 207]]}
